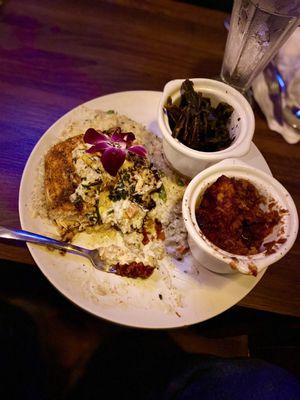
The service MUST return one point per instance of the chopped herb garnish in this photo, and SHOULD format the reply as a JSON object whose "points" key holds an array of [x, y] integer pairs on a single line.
{"points": [[78, 203], [151, 204], [88, 185], [118, 195], [162, 193], [137, 198], [126, 176], [180, 182], [96, 183], [110, 112], [119, 191], [196, 123], [93, 218]]}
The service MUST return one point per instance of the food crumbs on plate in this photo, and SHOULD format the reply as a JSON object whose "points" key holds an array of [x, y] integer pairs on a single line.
{"points": [[252, 269], [233, 265], [272, 246], [134, 270]]}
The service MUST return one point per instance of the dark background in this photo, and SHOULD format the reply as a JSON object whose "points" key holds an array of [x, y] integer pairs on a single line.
{"points": [[223, 5], [68, 336]]}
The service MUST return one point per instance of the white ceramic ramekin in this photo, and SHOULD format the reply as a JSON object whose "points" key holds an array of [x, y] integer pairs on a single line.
{"points": [[188, 161], [218, 260]]}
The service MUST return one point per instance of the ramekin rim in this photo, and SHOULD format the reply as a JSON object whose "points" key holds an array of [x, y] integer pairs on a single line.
{"points": [[205, 244], [236, 149]]}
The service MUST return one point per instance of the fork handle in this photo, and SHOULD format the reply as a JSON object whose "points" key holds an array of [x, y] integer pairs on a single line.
{"points": [[25, 236]]}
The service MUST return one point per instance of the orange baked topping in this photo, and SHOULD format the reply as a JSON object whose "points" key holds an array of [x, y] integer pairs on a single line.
{"points": [[231, 216]]}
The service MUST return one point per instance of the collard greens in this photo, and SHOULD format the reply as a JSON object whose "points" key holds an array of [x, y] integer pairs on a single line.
{"points": [[196, 123]]}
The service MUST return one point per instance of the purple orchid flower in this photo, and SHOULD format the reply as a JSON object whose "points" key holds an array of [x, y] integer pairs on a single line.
{"points": [[113, 147]]}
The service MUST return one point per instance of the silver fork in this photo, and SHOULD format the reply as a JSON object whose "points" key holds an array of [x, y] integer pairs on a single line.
{"points": [[25, 236]]}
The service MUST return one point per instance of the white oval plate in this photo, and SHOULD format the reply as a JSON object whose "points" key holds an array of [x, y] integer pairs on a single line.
{"points": [[191, 294]]}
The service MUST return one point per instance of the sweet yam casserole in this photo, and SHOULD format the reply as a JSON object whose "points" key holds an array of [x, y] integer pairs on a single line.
{"points": [[136, 211]]}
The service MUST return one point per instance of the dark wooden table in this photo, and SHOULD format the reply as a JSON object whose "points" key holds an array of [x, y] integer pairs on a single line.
{"points": [[56, 54]]}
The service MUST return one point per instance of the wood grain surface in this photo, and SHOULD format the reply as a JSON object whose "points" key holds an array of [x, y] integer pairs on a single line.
{"points": [[56, 54]]}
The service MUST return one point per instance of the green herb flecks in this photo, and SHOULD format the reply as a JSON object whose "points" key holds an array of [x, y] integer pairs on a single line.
{"points": [[93, 218], [180, 182], [93, 184], [119, 192], [162, 193], [122, 189]]}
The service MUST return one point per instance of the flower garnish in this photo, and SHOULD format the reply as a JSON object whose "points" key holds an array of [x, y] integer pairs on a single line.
{"points": [[113, 147]]}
